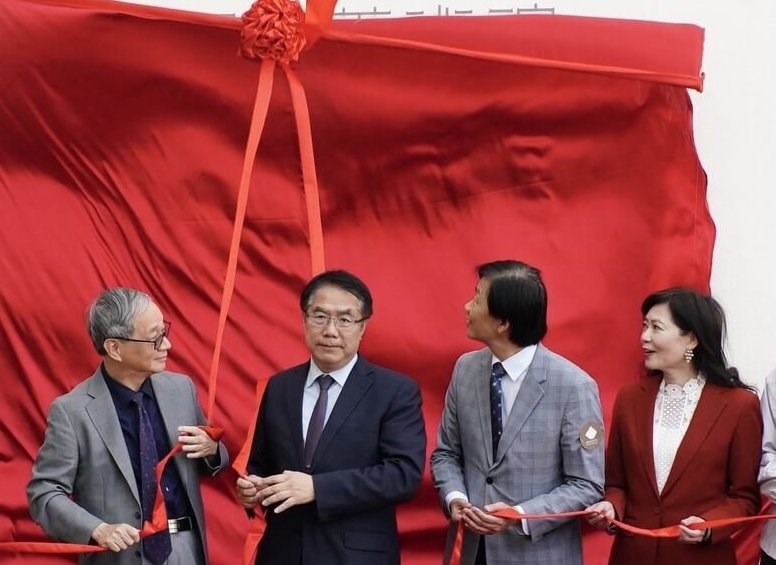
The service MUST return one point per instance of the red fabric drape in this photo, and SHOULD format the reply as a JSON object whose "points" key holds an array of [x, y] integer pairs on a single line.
{"points": [[123, 131]]}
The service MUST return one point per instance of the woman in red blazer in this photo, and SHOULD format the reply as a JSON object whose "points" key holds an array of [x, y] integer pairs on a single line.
{"points": [[685, 441]]}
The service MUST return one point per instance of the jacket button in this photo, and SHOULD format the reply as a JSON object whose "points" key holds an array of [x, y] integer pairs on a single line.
{"points": [[489, 480], [137, 553], [137, 515], [657, 510]]}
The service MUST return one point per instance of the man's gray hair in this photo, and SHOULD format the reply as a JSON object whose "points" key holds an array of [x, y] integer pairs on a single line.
{"points": [[112, 314]]}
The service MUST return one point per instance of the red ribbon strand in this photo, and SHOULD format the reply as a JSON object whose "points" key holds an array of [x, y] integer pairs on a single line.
{"points": [[665, 532], [157, 523]]}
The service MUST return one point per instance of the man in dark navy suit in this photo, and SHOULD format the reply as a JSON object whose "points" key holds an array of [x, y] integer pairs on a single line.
{"points": [[339, 442]]}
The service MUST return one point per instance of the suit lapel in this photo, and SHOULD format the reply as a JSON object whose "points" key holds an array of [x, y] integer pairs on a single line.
{"points": [[294, 397], [710, 407], [359, 381], [103, 415], [481, 385], [644, 413], [531, 392]]}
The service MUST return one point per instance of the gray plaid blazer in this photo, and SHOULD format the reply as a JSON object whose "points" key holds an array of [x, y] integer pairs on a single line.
{"points": [[540, 463]]}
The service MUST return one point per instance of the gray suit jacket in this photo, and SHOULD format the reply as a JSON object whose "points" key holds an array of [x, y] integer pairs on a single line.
{"points": [[83, 476], [540, 464]]}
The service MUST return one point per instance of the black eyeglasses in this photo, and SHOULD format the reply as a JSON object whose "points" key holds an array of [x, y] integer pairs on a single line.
{"points": [[320, 320], [158, 341]]}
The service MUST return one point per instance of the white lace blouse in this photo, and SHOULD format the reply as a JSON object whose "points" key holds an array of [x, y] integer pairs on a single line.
{"points": [[674, 408]]}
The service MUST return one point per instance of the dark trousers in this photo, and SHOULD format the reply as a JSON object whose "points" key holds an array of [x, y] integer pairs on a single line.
{"points": [[480, 559], [766, 559]]}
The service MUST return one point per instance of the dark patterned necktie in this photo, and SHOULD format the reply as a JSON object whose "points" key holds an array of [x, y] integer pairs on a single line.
{"points": [[496, 426], [318, 418], [156, 548]]}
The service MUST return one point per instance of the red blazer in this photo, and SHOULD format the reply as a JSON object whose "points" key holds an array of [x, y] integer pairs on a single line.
{"points": [[714, 474]]}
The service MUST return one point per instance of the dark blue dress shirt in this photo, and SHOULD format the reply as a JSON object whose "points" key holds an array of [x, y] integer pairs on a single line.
{"points": [[175, 497]]}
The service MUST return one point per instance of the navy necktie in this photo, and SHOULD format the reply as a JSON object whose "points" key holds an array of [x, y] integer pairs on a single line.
{"points": [[156, 548], [496, 426], [318, 418]]}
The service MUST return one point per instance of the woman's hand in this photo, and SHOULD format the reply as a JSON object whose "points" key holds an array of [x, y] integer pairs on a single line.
{"points": [[601, 514], [688, 535]]}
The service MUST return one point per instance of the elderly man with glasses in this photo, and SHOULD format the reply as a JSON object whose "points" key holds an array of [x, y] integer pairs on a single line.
{"points": [[339, 442], [93, 480]]}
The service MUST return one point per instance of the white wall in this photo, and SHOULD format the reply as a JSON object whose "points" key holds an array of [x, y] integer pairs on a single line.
{"points": [[735, 127]]}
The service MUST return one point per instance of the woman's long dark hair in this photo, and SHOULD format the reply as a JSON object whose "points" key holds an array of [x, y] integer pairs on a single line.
{"points": [[704, 317]]}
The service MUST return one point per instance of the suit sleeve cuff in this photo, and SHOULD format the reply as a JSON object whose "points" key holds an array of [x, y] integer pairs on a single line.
{"points": [[213, 462], [452, 496]]}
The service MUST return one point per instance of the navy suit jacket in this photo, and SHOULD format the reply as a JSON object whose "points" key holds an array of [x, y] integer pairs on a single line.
{"points": [[370, 457]]}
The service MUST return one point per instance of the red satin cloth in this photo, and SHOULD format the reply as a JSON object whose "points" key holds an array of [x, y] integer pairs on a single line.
{"points": [[439, 144]]}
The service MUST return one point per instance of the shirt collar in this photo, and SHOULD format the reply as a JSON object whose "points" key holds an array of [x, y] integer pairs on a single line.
{"points": [[340, 376], [516, 365], [690, 387], [124, 394]]}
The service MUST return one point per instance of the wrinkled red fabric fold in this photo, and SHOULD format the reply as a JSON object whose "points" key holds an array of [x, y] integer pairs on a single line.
{"points": [[429, 159]]}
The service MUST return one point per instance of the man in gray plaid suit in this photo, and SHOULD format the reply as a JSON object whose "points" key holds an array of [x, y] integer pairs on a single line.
{"points": [[521, 427]]}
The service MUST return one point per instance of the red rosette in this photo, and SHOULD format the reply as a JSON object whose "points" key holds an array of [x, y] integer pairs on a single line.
{"points": [[273, 29]]}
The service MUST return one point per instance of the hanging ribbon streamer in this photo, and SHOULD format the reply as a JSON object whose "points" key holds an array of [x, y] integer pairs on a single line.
{"points": [[309, 178], [261, 105], [272, 32], [317, 19], [240, 464], [157, 523]]}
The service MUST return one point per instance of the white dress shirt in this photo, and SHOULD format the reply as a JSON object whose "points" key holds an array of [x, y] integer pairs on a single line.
{"points": [[312, 390], [516, 367]]}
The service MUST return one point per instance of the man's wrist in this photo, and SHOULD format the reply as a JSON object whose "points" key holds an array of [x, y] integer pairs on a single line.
{"points": [[455, 495]]}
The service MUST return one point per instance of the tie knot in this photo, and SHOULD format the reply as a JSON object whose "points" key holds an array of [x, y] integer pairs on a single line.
{"points": [[137, 398], [497, 371], [325, 381]]}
